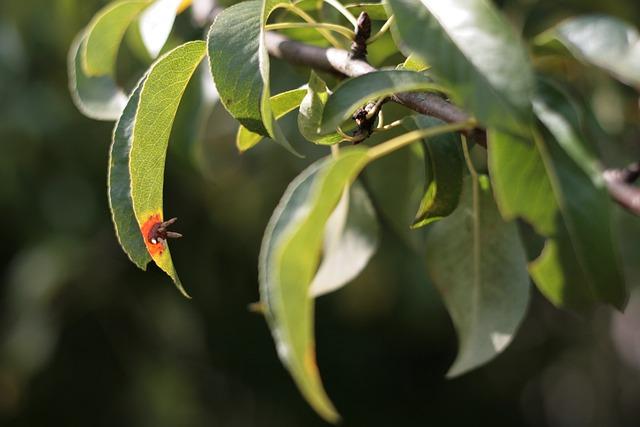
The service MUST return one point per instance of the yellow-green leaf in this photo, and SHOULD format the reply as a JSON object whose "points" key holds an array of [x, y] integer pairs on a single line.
{"points": [[105, 33], [311, 110], [96, 97], [281, 104], [289, 258], [159, 99]]}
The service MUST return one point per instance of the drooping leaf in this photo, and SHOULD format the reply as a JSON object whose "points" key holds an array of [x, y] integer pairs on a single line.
{"points": [[240, 66], [159, 99], [445, 170], [583, 201], [281, 104], [156, 23], [104, 35], [289, 257], [376, 11], [604, 41], [350, 240], [477, 262], [474, 50], [311, 110], [96, 97], [555, 187], [357, 91], [521, 185], [119, 183]]}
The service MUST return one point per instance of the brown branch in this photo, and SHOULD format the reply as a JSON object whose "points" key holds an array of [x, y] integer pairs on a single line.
{"points": [[340, 62], [618, 183]]}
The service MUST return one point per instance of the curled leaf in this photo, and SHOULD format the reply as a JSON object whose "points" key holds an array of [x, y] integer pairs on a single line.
{"points": [[289, 258], [159, 99], [98, 98]]}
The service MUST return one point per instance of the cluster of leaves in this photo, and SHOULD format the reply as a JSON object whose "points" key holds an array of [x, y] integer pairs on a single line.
{"points": [[542, 170]]}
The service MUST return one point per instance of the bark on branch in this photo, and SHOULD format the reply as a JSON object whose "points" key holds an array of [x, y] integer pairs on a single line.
{"points": [[340, 62]]}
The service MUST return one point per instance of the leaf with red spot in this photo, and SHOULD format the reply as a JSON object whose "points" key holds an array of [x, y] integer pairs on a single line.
{"points": [[138, 155]]}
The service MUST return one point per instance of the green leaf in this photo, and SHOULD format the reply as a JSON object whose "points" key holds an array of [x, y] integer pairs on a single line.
{"points": [[311, 110], [156, 23], [445, 170], [350, 240], [357, 91], [119, 181], [289, 258], [376, 11], [281, 104], [159, 99], [584, 204], [600, 40], [477, 262], [104, 35], [554, 185], [520, 182], [96, 97], [240, 66], [414, 63], [475, 52]]}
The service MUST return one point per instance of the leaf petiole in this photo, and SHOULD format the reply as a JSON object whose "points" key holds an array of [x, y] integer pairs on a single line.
{"points": [[385, 27], [410, 137], [347, 33], [309, 19]]}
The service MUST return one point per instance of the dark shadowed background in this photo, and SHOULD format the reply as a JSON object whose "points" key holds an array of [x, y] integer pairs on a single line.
{"points": [[86, 339]]}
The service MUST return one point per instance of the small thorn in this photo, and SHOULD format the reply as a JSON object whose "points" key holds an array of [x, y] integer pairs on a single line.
{"points": [[159, 232], [256, 307]]}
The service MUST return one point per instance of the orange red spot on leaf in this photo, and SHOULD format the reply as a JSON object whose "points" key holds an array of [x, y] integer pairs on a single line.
{"points": [[157, 248]]}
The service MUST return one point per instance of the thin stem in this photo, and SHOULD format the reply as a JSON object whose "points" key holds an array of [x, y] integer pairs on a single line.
{"points": [[409, 137], [385, 27], [347, 33], [389, 126], [309, 19], [376, 108], [335, 150], [345, 137], [343, 10], [467, 159]]}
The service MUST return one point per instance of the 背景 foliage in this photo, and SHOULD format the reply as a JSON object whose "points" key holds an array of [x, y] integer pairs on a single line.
{"points": [[537, 167]]}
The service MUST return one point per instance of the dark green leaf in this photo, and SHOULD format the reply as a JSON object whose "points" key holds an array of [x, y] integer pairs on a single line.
{"points": [[554, 185], [240, 66], [119, 180], [584, 204], [444, 168], [474, 50], [479, 265], [357, 91]]}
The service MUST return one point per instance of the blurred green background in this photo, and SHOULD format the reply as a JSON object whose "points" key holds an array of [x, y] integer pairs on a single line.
{"points": [[87, 339]]}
